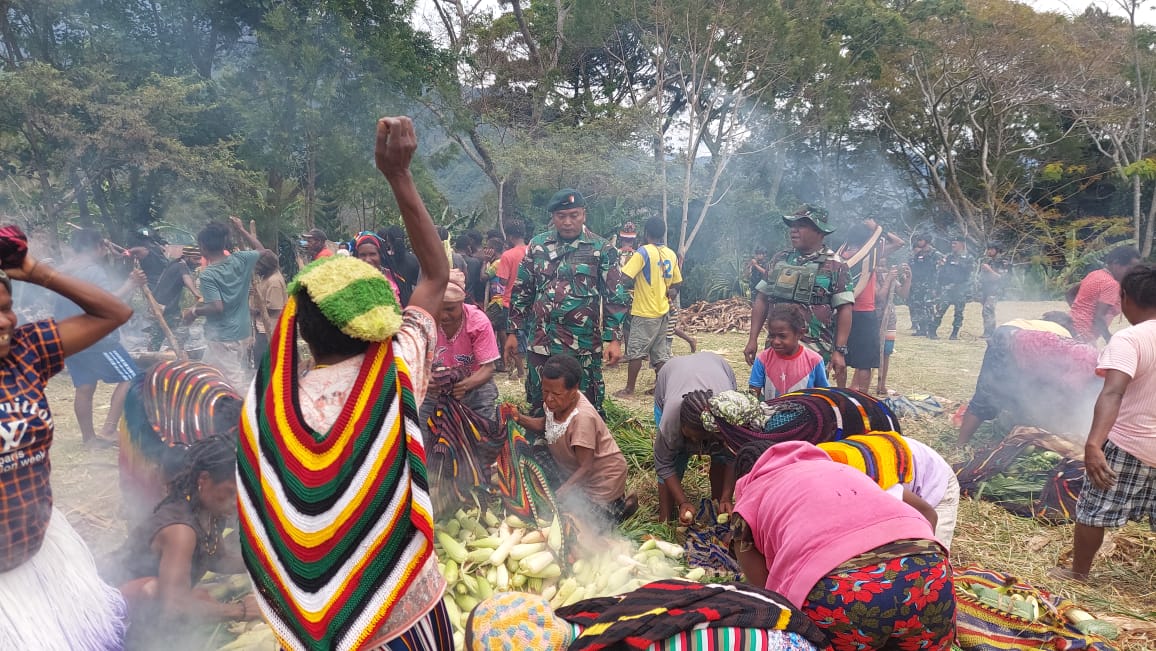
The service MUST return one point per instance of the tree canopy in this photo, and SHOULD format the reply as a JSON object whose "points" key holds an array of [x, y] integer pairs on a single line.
{"points": [[982, 117]]}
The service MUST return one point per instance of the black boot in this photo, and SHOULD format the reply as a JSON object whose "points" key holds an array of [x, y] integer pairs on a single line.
{"points": [[932, 334], [954, 334]]}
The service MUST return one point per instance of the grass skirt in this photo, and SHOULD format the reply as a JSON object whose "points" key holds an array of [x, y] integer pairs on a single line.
{"points": [[57, 601]]}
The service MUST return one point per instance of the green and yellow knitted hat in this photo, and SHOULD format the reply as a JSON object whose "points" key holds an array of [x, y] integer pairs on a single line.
{"points": [[353, 295]]}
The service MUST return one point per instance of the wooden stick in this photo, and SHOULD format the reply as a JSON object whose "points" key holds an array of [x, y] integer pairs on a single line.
{"points": [[159, 313]]}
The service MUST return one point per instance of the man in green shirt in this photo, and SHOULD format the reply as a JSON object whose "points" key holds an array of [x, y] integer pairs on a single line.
{"points": [[225, 301]]}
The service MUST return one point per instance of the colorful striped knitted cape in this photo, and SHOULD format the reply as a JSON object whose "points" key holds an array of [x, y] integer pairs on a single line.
{"points": [[334, 525], [460, 453], [525, 480], [883, 456], [815, 415]]}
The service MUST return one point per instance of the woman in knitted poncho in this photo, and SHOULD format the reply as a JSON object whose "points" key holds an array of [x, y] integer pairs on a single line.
{"points": [[336, 525]]}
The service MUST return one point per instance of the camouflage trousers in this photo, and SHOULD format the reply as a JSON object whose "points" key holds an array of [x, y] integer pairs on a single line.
{"points": [[921, 304], [954, 299], [590, 383], [989, 303]]}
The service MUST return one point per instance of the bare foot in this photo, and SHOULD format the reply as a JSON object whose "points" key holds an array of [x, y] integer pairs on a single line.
{"points": [[624, 393], [1065, 574], [693, 344], [99, 443], [881, 391]]}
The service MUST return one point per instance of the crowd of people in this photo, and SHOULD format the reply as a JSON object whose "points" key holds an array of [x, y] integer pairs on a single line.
{"points": [[316, 453]]}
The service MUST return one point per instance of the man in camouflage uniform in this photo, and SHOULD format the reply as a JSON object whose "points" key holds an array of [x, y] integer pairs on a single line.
{"points": [[810, 275], [925, 261], [568, 298], [955, 278]]}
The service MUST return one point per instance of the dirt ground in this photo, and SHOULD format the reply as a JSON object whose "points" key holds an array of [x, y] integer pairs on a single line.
{"points": [[85, 481]]}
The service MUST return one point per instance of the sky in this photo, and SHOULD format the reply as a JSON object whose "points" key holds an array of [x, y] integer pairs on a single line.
{"points": [[1146, 15], [425, 16]]}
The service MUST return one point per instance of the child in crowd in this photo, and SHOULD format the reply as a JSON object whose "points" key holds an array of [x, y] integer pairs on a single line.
{"points": [[1120, 455], [787, 365]]}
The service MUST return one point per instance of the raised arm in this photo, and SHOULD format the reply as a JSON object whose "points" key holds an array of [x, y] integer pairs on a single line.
{"points": [[103, 312], [396, 143], [249, 238]]}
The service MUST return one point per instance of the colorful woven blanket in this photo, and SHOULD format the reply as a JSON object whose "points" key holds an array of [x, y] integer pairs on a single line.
{"points": [[525, 479], [461, 454], [980, 627], [816, 416], [883, 456], [334, 525], [660, 610]]}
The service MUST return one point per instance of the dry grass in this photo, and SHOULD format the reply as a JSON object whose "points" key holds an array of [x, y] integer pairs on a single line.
{"points": [[987, 535], [1124, 575]]}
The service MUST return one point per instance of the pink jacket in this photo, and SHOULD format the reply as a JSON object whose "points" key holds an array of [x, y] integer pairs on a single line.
{"points": [[810, 515]]}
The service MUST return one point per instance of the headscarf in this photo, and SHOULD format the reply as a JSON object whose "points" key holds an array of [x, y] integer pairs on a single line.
{"points": [[368, 237], [455, 288], [517, 620]]}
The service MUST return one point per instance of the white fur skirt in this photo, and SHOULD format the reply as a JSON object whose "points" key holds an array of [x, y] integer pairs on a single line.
{"points": [[56, 600]]}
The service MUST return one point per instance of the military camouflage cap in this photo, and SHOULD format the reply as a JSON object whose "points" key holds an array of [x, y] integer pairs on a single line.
{"points": [[814, 214], [565, 200]]}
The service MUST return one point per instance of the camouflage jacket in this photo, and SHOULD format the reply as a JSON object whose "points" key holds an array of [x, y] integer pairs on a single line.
{"points": [[956, 273], [924, 267], [568, 296]]}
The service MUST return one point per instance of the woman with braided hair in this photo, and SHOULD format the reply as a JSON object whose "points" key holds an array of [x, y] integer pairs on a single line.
{"points": [[681, 397], [336, 521], [168, 555]]}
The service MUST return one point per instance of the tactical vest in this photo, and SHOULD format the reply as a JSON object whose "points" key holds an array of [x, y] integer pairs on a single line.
{"points": [[796, 283]]}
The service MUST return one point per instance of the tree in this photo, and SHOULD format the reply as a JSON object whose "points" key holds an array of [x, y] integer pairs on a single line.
{"points": [[1113, 98], [972, 109], [81, 139]]}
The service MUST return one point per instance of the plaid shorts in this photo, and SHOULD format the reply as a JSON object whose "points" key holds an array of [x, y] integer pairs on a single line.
{"points": [[1131, 498]]}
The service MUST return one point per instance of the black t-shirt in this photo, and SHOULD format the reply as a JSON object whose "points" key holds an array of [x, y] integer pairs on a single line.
{"points": [[405, 270], [475, 286], [153, 265], [756, 275], [171, 283]]}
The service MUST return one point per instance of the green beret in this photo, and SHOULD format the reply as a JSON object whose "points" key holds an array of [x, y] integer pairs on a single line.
{"points": [[565, 200]]}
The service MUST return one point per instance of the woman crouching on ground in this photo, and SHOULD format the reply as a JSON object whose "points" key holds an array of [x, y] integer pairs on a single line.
{"points": [[169, 554], [51, 596], [581, 444], [868, 571]]}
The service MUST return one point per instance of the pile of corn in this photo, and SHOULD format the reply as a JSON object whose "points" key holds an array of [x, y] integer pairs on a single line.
{"points": [[251, 636], [481, 554], [1032, 609]]}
